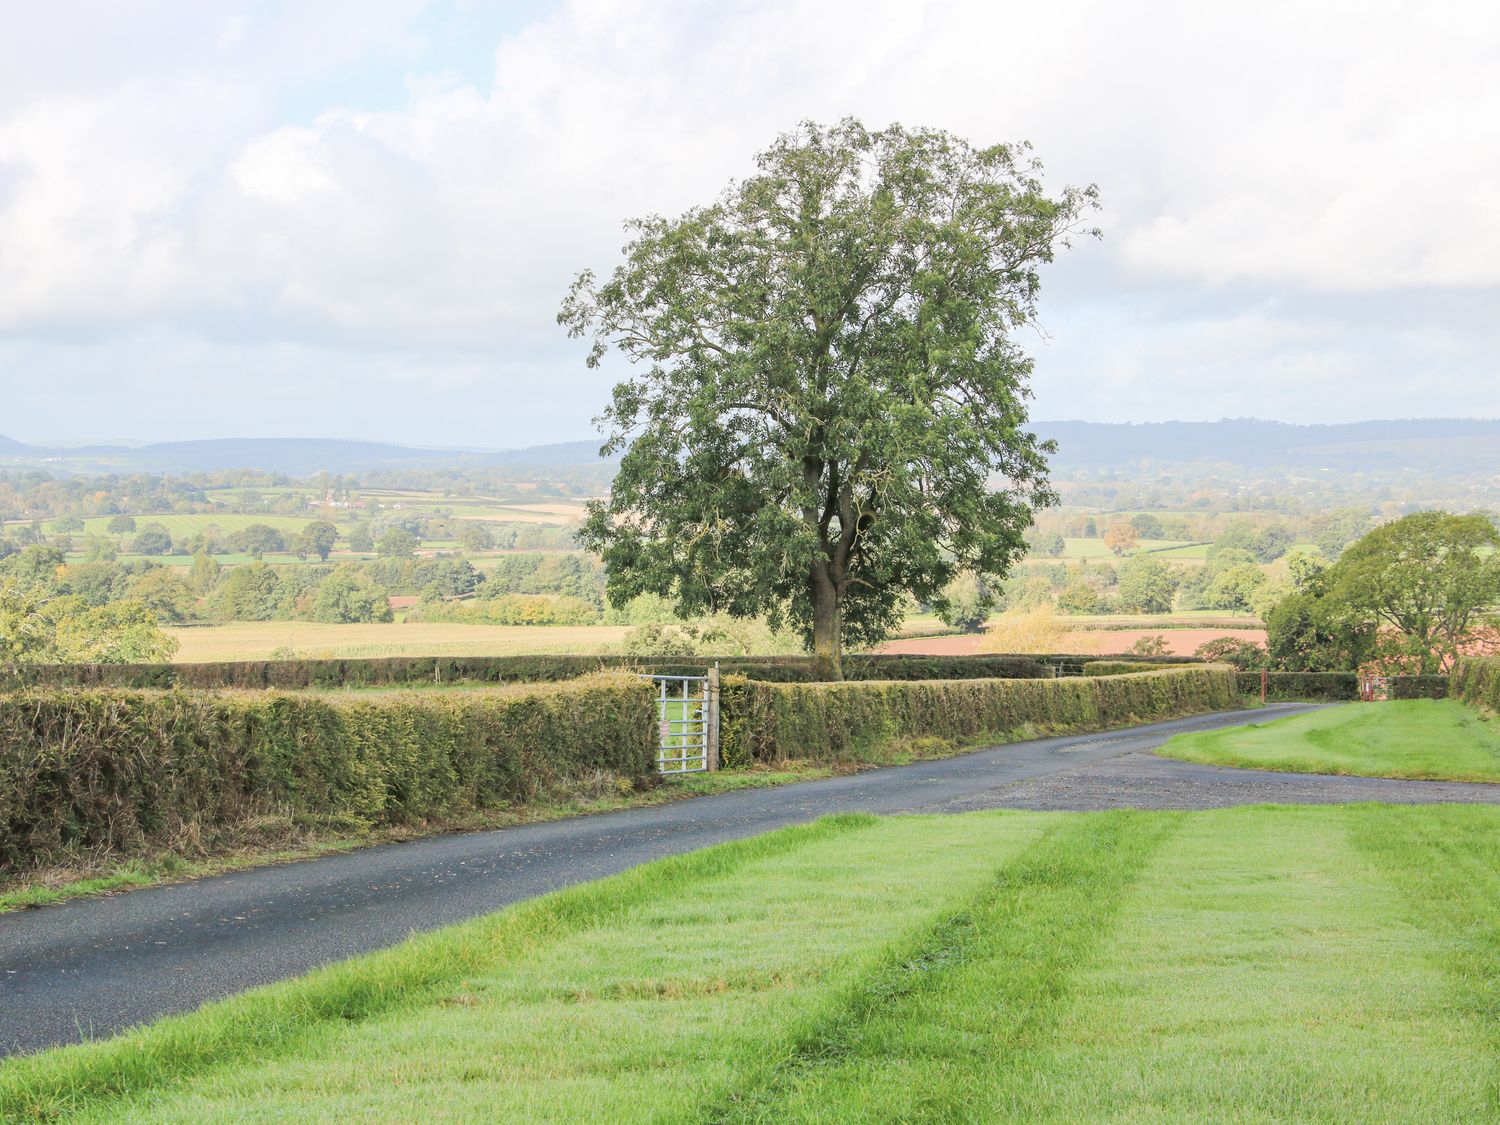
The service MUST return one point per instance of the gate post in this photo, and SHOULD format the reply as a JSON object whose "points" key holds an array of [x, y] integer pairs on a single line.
{"points": [[711, 690]]}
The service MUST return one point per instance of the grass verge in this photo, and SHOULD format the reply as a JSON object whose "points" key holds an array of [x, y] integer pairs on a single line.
{"points": [[1252, 964], [1418, 739]]}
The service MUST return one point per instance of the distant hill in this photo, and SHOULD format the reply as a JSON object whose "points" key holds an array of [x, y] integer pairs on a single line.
{"points": [[1440, 445], [298, 457], [1436, 445]]}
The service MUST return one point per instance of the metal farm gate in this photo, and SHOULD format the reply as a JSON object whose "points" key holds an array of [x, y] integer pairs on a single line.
{"points": [[687, 709]]}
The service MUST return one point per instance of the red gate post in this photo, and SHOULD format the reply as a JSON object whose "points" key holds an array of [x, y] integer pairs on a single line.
{"points": [[1262, 686]]}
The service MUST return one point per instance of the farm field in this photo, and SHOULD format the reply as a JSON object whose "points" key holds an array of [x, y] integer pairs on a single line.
{"points": [[1420, 739], [1179, 641], [258, 640], [1264, 963]]}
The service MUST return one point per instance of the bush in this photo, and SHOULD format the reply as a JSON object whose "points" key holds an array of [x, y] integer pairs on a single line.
{"points": [[1245, 655], [129, 770], [1476, 681], [765, 722]]}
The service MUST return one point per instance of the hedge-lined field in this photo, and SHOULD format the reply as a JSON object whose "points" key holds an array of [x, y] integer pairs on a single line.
{"points": [[765, 722], [131, 770]]}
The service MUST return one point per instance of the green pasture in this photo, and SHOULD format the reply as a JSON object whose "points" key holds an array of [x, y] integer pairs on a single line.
{"points": [[1419, 739], [1258, 964]]}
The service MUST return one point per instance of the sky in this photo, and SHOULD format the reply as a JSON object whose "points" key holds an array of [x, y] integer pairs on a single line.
{"points": [[357, 219]]}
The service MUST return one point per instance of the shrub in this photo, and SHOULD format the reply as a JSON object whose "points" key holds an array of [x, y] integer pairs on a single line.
{"points": [[1245, 655], [765, 722], [1476, 681], [127, 770]]}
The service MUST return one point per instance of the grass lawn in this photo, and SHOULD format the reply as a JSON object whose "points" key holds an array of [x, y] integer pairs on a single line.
{"points": [[1420, 739], [1259, 964]]}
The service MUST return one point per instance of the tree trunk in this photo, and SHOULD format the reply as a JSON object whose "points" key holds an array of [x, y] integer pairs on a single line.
{"points": [[827, 624]]}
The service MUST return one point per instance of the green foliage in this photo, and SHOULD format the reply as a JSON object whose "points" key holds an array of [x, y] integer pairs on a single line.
{"points": [[1152, 645], [1270, 543], [347, 595], [511, 609], [258, 539], [826, 383], [1316, 687], [130, 770], [413, 670], [120, 525], [250, 593], [1123, 667], [764, 722], [475, 536], [966, 603], [1338, 529], [1428, 582], [360, 539], [1241, 654], [1476, 681], [165, 592], [152, 539], [1304, 635], [1235, 588], [1147, 585], [396, 543], [318, 538], [204, 574], [1078, 596], [574, 575], [1147, 526]]}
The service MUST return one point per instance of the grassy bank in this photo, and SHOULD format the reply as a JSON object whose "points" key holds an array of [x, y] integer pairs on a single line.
{"points": [[1245, 964], [1418, 739]]}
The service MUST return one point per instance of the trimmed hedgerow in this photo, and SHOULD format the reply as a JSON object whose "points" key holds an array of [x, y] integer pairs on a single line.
{"points": [[764, 722], [1476, 681], [1314, 686], [130, 770], [1337, 687], [1121, 667], [296, 675], [1419, 687]]}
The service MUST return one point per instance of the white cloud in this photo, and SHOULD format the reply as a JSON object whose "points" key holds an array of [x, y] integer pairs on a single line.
{"points": [[1250, 158]]}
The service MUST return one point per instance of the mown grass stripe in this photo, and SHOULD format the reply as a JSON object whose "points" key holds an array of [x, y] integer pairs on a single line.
{"points": [[271, 1022], [1446, 862], [958, 998], [1263, 970]]}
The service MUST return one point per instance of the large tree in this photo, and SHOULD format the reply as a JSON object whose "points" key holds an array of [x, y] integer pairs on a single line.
{"points": [[827, 409], [1428, 584]]}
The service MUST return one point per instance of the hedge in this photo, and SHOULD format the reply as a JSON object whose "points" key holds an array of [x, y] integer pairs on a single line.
{"points": [[1476, 681], [1316, 686], [1121, 667], [132, 770], [1335, 687], [295, 675], [764, 722], [1419, 687]]}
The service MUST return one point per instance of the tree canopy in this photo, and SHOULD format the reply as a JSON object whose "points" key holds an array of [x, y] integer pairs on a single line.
{"points": [[1413, 593], [826, 409]]}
